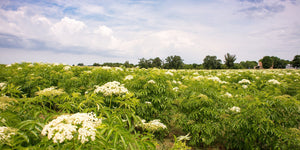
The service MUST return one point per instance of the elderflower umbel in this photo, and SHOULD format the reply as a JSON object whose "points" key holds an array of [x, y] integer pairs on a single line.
{"points": [[244, 86], [111, 88], [153, 125], [244, 81], [129, 77], [151, 81], [273, 81], [148, 103], [236, 109], [169, 73], [65, 127], [185, 137], [217, 79], [175, 89], [67, 68], [50, 92], [227, 95], [6, 133], [2, 85]]}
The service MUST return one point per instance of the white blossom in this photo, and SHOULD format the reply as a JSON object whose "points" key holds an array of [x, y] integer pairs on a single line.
{"points": [[6, 134], [227, 95], [273, 81], [169, 73], [2, 85], [148, 103], [67, 68], [244, 86], [236, 109], [50, 92], [129, 77], [106, 67], [175, 89], [217, 79], [65, 127], [185, 137], [244, 81], [153, 125], [151, 81], [111, 88]]}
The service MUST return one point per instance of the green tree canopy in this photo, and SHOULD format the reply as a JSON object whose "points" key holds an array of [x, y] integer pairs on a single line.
{"points": [[157, 62], [229, 60], [267, 62], [248, 64], [296, 61], [211, 62], [174, 62]]}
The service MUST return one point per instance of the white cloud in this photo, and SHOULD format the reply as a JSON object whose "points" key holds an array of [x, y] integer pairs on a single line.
{"points": [[190, 29]]}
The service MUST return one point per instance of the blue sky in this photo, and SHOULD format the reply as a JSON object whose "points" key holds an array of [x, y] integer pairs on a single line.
{"points": [[72, 32]]}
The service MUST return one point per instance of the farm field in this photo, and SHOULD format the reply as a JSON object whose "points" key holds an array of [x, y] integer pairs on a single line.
{"points": [[56, 106]]}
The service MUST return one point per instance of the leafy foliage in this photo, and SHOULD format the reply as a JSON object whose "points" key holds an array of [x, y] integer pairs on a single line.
{"points": [[231, 109]]}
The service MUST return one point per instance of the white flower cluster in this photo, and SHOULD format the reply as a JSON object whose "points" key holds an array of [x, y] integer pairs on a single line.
{"points": [[198, 77], [185, 137], [110, 88], [119, 68], [2, 85], [106, 67], [88, 72], [236, 109], [66, 126], [149, 103], [67, 68], [169, 73], [151, 81], [244, 86], [153, 125], [177, 82], [129, 77], [6, 133], [244, 81], [50, 92], [196, 73], [175, 89], [227, 95], [273, 81], [217, 79], [30, 65]]}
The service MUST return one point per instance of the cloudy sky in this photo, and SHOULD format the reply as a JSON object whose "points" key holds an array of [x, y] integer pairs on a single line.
{"points": [[89, 31]]}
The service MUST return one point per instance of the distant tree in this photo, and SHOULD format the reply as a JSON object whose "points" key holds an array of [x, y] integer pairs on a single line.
{"points": [[211, 62], [279, 63], [296, 61], [80, 64], [156, 62], [174, 62], [127, 64], [96, 64], [229, 60], [248, 64], [267, 62], [144, 63]]}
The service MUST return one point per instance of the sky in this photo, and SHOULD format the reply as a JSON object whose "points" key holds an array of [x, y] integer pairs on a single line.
{"points": [[98, 31]]}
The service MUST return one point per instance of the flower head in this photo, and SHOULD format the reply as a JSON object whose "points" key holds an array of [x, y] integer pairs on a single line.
{"points": [[244, 81], [273, 81], [65, 127], [236, 109], [50, 92], [111, 88]]}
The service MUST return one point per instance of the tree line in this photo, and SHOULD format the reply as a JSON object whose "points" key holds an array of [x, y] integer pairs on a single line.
{"points": [[209, 62]]}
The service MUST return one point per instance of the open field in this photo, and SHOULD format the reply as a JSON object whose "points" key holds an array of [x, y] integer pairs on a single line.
{"points": [[54, 106]]}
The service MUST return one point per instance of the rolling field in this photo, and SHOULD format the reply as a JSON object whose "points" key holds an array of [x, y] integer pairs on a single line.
{"points": [[55, 106]]}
